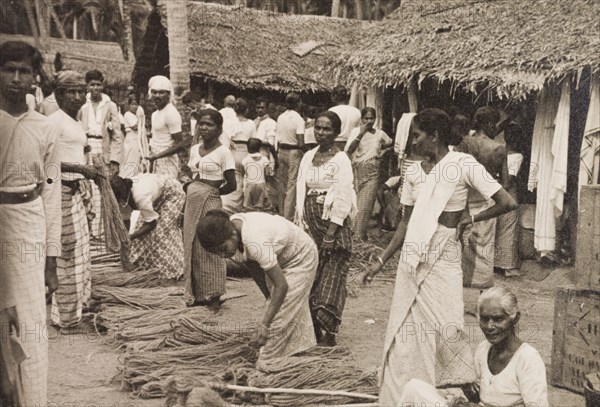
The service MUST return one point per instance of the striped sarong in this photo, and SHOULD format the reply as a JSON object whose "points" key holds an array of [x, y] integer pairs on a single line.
{"points": [[425, 336], [73, 266], [167, 166], [23, 240], [478, 252], [366, 181], [204, 272], [162, 248], [506, 253], [95, 227], [328, 294]]}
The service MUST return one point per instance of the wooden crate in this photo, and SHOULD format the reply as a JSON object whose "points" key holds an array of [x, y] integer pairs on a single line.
{"points": [[587, 257], [575, 338]]}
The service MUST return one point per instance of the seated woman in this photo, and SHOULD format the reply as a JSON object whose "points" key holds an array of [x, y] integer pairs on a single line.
{"points": [[157, 242], [509, 371], [289, 259]]}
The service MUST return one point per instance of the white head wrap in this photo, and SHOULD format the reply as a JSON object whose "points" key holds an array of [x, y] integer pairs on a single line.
{"points": [[160, 82]]}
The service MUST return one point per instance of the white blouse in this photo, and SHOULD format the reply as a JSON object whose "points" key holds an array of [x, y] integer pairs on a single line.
{"points": [[211, 166], [146, 189], [522, 381], [472, 175]]}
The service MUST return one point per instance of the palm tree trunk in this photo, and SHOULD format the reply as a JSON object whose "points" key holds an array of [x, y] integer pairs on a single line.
{"points": [[128, 40], [360, 15], [335, 8], [41, 19], [179, 60], [31, 18]]}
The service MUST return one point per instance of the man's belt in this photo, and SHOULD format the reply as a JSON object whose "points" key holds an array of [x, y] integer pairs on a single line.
{"points": [[284, 146], [94, 136], [239, 142], [13, 198]]}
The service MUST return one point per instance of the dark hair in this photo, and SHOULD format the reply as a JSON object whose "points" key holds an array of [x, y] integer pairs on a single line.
{"points": [[513, 135], [191, 97], [254, 145], [94, 75], [435, 122], [460, 128], [215, 116], [241, 106], [484, 116], [19, 51], [366, 110], [339, 94], [335, 120], [292, 100], [133, 98], [311, 111], [262, 100], [121, 187], [214, 229]]}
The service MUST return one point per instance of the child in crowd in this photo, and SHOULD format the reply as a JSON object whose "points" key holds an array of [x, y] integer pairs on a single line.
{"points": [[255, 187], [132, 144]]}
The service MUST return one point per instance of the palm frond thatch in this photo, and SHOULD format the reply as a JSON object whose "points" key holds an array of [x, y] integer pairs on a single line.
{"points": [[513, 47]]}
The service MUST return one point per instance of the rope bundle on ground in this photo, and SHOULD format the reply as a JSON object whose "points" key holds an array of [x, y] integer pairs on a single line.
{"points": [[145, 372], [112, 275], [141, 298]]}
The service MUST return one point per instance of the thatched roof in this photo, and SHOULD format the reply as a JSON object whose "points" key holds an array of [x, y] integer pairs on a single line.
{"points": [[82, 56], [249, 48], [510, 46]]}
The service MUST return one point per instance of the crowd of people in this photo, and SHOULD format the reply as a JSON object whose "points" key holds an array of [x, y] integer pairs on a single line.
{"points": [[287, 198]]}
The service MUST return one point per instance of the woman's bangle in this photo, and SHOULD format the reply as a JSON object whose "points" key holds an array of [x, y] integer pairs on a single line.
{"points": [[380, 260], [472, 219], [328, 241]]}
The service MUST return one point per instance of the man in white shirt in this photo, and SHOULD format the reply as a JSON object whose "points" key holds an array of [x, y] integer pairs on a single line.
{"points": [[167, 137], [266, 131], [349, 115], [291, 147], [230, 121]]}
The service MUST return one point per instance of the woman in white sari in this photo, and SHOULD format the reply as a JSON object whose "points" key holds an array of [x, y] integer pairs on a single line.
{"points": [[425, 337]]}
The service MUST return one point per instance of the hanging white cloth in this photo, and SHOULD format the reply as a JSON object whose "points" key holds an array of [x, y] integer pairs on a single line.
{"points": [[541, 168], [560, 148]]}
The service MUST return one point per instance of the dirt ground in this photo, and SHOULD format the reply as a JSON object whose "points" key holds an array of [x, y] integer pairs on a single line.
{"points": [[82, 367]]}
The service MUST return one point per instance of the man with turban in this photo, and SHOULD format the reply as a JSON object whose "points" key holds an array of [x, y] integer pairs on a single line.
{"points": [[167, 138], [73, 266]]}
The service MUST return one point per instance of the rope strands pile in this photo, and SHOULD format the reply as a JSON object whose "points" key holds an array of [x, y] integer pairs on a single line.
{"points": [[141, 298], [116, 236], [113, 276], [319, 368]]}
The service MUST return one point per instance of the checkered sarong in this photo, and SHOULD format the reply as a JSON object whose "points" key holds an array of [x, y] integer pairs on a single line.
{"points": [[162, 248], [328, 295]]}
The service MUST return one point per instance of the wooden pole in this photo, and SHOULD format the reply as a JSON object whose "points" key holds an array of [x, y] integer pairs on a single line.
{"points": [[273, 390]]}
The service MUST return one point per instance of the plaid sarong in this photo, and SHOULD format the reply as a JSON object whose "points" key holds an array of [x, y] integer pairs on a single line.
{"points": [[167, 166], [162, 248], [204, 272], [328, 294]]}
